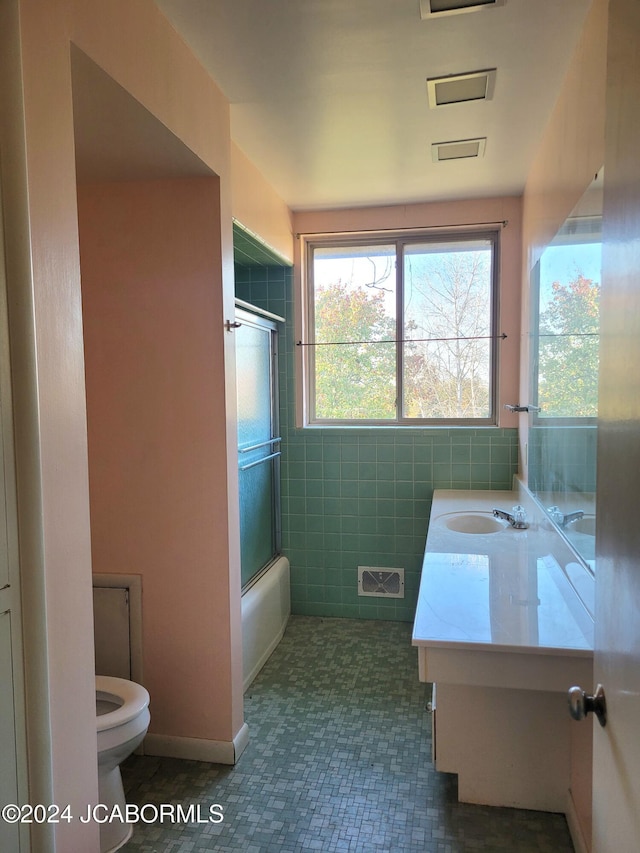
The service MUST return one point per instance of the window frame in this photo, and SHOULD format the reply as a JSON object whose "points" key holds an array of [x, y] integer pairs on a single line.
{"points": [[400, 239]]}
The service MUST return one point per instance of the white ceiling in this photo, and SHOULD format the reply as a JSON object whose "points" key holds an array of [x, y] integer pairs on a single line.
{"points": [[329, 97]]}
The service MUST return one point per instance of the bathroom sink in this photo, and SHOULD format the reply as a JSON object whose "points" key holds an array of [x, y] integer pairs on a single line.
{"points": [[473, 522]]}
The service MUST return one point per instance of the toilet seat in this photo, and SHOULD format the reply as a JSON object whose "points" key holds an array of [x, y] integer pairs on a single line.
{"points": [[120, 730], [131, 698]]}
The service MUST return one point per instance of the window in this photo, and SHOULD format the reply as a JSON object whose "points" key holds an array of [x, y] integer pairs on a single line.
{"points": [[402, 330]]}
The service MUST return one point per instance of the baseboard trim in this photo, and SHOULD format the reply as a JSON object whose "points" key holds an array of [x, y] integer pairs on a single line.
{"points": [[241, 741], [198, 749], [575, 830]]}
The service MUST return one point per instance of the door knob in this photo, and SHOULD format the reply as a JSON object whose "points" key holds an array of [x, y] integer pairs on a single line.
{"points": [[581, 704]]}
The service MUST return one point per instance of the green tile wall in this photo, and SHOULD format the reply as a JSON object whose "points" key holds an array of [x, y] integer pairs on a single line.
{"points": [[562, 458], [355, 497]]}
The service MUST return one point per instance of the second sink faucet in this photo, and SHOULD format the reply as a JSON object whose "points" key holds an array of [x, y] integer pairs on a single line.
{"points": [[516, 518], [561, 519]]}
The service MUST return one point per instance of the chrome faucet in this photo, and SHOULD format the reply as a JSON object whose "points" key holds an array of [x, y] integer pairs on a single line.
{"points": [[572, 516], [516, 517], [561, 519]]}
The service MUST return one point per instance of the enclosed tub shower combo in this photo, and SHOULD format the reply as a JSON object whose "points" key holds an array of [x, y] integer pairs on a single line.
{"points": [[265, 572]]}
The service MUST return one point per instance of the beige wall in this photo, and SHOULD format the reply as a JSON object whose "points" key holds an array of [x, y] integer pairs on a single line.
{"points": [[257, 207], [566, 161], [150, 253], [439, 214], [572, 146]]}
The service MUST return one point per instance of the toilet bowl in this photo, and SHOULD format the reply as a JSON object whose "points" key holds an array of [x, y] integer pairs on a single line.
{"points": [[122, 720]]}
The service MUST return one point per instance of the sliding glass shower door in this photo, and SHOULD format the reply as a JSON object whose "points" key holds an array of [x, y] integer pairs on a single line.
{"points": [[258, 442]]}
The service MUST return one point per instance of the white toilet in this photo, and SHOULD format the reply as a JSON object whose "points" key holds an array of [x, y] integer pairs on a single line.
{"points": [[122, 719]]}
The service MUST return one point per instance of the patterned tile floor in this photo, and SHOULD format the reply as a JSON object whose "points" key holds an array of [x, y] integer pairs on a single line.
{"points": [[338, 762]]}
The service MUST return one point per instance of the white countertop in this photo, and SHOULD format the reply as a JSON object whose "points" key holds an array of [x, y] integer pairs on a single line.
{"points": [[506, 591]]}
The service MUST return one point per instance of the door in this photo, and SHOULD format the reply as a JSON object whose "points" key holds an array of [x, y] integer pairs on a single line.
{"points": [[616, 760], [13, 776], [258, 442]]}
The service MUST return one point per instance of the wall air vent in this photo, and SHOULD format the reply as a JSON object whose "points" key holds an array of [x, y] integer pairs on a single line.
{"points": [[440, 8], [461, 88], [460, 149], [379, 582]]}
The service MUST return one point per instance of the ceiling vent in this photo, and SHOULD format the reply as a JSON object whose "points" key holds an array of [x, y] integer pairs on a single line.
{"points": [[461, 88], [460, 149], [440, 8]]}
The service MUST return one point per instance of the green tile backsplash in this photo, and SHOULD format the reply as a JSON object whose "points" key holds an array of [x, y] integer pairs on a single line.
{"points": [[562, 458], [361, 497]]}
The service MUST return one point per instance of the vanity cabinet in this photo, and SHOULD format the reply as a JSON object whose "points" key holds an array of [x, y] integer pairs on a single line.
{"points": [[502, 634]]}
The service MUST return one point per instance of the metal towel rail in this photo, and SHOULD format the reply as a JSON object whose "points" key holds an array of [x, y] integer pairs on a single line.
{"points": [[260, 461], [262, 444]]}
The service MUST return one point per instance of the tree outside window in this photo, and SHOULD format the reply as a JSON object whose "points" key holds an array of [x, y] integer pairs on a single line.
{"points": [[568, 329], [403, 331]]}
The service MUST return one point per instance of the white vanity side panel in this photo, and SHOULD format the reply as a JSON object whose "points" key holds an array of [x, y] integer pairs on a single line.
{"points": [[487, 736]]}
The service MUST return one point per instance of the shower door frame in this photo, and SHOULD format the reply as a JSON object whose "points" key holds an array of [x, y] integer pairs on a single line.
{"points": [[247, 314]]}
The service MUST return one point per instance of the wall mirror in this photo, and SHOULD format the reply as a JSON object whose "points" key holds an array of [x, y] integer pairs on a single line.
{"points": [[564, 338]]}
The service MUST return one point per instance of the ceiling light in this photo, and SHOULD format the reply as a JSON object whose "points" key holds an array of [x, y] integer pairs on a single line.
{"points": [[459, 149], [440, 8], [460, 88]]}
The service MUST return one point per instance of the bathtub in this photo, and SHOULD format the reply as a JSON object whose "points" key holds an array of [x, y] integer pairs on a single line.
{"points": [[266, 607]]}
